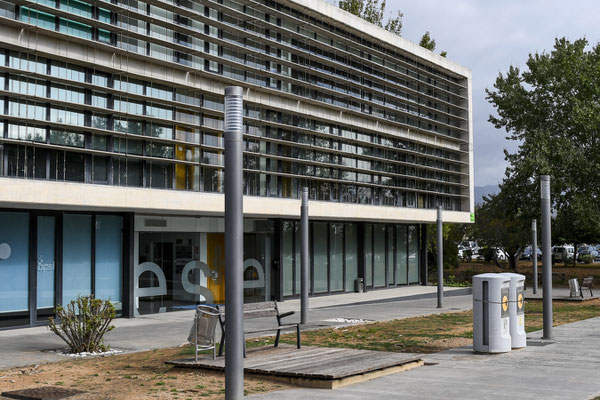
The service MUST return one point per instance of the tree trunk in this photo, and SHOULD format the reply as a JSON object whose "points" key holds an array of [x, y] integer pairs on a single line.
{"points": [[512, 262]]}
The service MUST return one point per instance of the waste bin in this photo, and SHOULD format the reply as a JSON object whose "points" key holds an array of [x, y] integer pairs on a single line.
{"points": [[491, 331], [516, 309], [359, 285], [574, 289]]}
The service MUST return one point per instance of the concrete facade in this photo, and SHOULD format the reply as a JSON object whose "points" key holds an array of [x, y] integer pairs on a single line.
{"points": [[111, 150]]}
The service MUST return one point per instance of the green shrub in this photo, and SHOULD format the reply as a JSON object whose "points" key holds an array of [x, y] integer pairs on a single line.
{"points": [[83, 323], [587, 258]]}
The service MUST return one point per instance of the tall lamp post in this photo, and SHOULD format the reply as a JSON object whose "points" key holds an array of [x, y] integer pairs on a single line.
{"points": [[546, 256], [234, 245], [440, 259]]}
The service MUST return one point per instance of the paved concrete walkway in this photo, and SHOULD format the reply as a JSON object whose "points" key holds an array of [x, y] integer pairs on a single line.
{"points": [[20, 347], [569, 368]]}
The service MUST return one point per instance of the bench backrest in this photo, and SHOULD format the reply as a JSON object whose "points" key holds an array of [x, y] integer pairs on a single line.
{"points": [[256, 310], [587, 282]]}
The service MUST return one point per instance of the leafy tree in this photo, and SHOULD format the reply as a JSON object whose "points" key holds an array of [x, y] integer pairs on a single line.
{"points": [[501, 223], [444, 53], [427, 42], [373, 12], [452, 235], [552, 110]]}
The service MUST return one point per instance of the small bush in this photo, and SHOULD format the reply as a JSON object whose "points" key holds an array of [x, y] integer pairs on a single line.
{"points": [[587, 258], [83, 323]]}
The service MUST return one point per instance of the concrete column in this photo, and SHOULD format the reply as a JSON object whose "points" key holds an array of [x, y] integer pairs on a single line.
{"points": [[234, 245]]}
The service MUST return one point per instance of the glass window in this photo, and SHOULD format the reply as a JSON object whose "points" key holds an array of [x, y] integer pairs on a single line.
{"points": [[76, 7], [379, 255], [413, 254], [320, 257], [159, 150], [128, 126], [14, 271], [23, 85], [125, 84], [38, 18], [74, 167], [161, 175], [350, 255], [71, 139], [122, 104], [64, 71], [45, 261], [401, 258], [100, 169], [66, 116], [75, 28], [287, 262], [336, 257], [109, 256], [159, 111], [27, 110], [67, 93], [24, 132], [77, 256], [390, 255], [213, 179], [368, 255], [127, 172], [29, 62], [159, 131]]}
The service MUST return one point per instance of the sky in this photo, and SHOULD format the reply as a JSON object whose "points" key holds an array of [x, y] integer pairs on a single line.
{"points": [[489, 36]]}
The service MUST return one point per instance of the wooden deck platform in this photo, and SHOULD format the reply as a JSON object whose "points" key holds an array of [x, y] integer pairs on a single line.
{"points": [[321, 367]]}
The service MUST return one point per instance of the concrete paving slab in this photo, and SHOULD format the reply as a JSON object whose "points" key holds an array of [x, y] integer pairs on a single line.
{"points": [[567, 369]]}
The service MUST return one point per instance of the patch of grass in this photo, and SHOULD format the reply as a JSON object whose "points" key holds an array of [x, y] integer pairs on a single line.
{"points": [[433, 333]]}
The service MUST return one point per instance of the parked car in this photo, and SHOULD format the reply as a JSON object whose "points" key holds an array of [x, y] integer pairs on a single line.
{"points": [[528, 252], [563, 253], [584, 251]]}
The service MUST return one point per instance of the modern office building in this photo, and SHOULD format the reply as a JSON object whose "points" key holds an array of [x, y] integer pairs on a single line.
{"points": [[111, 150]]}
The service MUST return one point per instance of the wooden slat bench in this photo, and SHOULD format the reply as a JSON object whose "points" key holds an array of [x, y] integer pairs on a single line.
{"points": [[261, 310], [587, 284]]}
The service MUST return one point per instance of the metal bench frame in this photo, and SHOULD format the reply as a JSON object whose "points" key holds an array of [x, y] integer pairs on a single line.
{"points": [[261, 310]]}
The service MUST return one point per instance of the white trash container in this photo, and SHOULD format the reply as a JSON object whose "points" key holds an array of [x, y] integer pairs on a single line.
{"points": [[516, 309], [491, 332]]}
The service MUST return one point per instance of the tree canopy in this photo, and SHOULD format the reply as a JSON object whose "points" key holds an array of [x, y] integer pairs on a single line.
{"points": [[552, 108], [373, 12], [427, 42]]}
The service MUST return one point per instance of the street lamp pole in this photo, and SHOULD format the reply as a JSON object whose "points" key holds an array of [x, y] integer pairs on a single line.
{"points": [[546, 256], [234, 245]]}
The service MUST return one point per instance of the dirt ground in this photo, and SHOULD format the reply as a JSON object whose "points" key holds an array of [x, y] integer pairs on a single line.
{"points": [[130, 376]]}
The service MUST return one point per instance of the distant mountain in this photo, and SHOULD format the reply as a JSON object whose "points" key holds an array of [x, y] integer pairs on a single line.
{"points": [[481, 191]]}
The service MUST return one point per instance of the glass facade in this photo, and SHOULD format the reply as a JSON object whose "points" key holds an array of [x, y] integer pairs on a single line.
{"points": [[161, 134], [49, 258], [14, 259], [337, 260], [181, 262]]}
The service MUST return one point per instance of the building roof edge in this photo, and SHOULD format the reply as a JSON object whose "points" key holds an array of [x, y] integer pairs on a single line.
{"points": [[359, 25]]}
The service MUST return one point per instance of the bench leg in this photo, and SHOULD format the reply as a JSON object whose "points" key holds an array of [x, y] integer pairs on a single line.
{"points": [[298, 345], [222, 345], [277, 338]]}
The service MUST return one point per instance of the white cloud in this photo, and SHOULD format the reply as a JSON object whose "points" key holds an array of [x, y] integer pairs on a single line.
{"points": [[488, 37]]}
